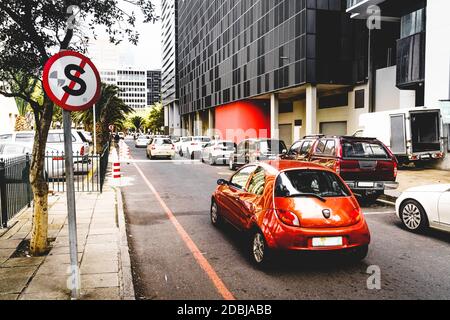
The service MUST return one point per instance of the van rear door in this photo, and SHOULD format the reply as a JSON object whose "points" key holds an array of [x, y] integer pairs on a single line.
{"points": [[426, 131]]}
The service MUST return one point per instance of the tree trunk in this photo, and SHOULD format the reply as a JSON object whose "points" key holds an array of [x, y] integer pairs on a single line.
{"points": [[38, 179]]}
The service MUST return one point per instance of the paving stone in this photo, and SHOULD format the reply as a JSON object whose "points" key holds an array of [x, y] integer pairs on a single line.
{"points": [[103, 231], [102, 238], [101, 294], [13, 280], [9, 244], [46, 296], [42, 283], [104, 280], [9, 296], [97, 267], [23, 262]]}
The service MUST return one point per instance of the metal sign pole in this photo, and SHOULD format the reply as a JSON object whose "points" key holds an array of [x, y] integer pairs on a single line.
{"points": [[71, 209], [95, 130]]}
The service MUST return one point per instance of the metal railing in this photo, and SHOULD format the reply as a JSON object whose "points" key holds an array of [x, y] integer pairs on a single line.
{"points": [[15, 188], [89, 171]]}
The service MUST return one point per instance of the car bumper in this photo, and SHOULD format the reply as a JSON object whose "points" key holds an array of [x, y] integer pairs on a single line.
{"points": [[288, 238], [372, 185], [163, 153]]}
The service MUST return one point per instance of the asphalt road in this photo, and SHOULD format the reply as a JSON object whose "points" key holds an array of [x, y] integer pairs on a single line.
{"points": [[413, 266]]}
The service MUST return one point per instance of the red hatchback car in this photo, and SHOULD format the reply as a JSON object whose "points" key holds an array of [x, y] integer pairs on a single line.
{"points": [[293, 206]]}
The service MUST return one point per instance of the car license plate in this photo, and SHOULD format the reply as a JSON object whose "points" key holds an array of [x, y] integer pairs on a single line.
{"points": [[327, 242], [365, 184]]}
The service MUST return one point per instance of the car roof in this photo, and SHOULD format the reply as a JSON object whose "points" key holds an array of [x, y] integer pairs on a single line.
{"points": [[276, 166]]}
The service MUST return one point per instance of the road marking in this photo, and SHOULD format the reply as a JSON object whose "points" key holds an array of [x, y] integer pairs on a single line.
{"points": [[378, 213], [201, 260], [161, 161]]}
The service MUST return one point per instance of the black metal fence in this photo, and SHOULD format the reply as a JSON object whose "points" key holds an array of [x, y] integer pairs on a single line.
{"points": [[15, 189], [89, 171]]}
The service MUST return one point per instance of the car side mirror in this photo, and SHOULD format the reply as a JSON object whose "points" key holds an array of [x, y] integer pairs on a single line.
{"points": [[222, 182]]}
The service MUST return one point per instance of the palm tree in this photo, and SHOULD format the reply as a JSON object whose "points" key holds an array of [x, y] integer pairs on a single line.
{"points": [[138, 122], [110, 110], [24, 119]]}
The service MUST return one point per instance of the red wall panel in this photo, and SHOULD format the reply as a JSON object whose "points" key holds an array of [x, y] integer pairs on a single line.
{"points": [[242, 120]]}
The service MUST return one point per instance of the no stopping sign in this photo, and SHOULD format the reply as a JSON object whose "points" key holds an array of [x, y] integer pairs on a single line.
{"points": [[71, 81]]}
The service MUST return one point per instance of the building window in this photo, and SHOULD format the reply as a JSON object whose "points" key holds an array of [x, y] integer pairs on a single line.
{"points": [[413, 23], [359, 99], [286, 107], [337, 100]]}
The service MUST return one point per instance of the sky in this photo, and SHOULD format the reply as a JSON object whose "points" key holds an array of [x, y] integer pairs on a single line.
{"points": [[146, 55]]}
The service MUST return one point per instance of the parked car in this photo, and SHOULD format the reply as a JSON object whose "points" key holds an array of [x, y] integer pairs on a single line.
{"points": [[55, 140], [291, 205], [54, 167], [425, 207], [193, 148], [179, 143], [366, 164], [252, 150], [218, 151], [161, 148], [142, 141]]}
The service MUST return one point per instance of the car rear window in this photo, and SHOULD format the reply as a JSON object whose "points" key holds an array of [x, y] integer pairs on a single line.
{"points": [[24, 137], [82, 137], [364, 150], [163, 142], [58, 138], [318, 182], [6, 137]]}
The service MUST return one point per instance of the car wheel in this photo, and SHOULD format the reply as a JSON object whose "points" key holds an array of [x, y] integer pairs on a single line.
{"points": [[360, 253], [216, 219], [212, 161], [259, 251], [413, 216], [232, 165]]}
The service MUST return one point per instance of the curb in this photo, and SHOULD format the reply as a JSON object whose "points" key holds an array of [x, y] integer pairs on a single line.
{"points": [[125, 273]]}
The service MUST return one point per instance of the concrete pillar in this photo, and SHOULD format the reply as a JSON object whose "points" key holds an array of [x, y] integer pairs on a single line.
{"points": [[198, 126], [274, 116], [211, 124], [311, 110]]}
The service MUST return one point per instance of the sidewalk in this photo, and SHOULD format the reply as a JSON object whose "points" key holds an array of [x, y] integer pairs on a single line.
{"points": [[102, 247], [409, 178]]}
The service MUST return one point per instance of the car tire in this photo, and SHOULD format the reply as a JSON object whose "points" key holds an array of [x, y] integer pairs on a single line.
{"points": [[360, 253], [413, 216], [216, 219], [259, 251], [231, 165], [212, 161]]}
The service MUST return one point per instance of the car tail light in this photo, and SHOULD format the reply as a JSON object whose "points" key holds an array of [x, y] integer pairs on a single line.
{"points": [[58, 158], [82, 151], [194, 144], [395, 169], [337, 167], [287, 217], [438, 155], [153, 148], [173, 147]]}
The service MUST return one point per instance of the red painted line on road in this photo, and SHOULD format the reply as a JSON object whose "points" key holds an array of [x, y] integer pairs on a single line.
{"points": [[201, 260]]}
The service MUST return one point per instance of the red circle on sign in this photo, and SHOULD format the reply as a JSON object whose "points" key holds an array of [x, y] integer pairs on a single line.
{"points": [[50, 93]]}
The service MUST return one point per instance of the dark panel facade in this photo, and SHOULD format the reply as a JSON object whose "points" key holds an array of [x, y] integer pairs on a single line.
{"points": [[153, 87], [231, 50]]}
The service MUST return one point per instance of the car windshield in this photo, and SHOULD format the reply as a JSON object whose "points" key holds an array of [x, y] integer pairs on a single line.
{"points": [[362, 149], [186, 139], [162, 142], [272, 146], [319, 183]]}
